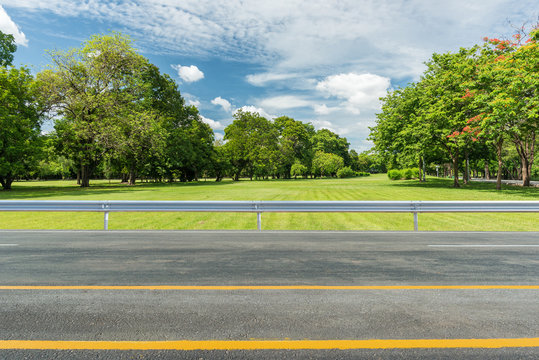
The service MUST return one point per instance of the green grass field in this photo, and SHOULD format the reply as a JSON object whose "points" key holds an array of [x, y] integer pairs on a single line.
{"points": [[376, 187]]}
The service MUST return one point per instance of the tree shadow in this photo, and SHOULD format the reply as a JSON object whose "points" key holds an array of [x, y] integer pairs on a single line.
{"points": [[69, 189], [441, 183]]}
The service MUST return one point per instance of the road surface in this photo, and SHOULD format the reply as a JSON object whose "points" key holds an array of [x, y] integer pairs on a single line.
{"points": [[268, 295]]}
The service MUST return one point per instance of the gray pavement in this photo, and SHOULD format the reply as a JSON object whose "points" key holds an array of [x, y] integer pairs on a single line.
{"points": [[507, 182], [269, 258]]}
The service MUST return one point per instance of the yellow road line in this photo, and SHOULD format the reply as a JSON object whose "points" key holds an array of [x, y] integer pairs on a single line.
{"points": [[272, 287], [268, 344]]}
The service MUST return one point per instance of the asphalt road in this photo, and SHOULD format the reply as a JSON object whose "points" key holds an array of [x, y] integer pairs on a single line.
{"points": [[139, 312]]}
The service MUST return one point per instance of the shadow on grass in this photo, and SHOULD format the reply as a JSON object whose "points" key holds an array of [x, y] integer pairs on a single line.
{"points": [[70, 189], [440, 183]]}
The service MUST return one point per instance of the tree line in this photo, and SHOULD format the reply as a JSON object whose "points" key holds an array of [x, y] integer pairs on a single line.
{"points": [[475, 109], [116, 115]]}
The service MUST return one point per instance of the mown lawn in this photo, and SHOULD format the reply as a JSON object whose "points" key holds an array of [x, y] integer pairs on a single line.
{"points": [[376, 187]]}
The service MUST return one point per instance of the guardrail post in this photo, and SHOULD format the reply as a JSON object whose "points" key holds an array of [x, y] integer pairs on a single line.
{"points": [[259, 221], [106, 220], [416, 222]]}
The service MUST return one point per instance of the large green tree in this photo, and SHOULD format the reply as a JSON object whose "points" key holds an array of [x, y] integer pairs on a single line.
{"points": [[19, 124], [7, 48], [88, 87], [294, 144], [329, 142], [252, 144]]}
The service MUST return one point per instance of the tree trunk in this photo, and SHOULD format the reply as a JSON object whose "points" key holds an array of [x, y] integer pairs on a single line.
{"points": [[85, 176], [424, 172], [6, 182], [487, 171], [499, 146], [420, 174], [525, 148], [466, 175], [132, 176], [525, 173], [455, 158], [78, 176]]}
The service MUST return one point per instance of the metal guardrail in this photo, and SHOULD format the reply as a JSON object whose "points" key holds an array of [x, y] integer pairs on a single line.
{"points": [[259, 207]]}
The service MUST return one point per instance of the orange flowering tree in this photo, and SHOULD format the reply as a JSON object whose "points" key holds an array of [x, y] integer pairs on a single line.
{"points": [[507, 96]]}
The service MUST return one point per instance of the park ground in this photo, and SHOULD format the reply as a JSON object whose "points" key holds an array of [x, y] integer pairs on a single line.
{"points": [[374, 187]]}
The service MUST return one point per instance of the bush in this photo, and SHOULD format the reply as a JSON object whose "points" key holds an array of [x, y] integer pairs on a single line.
{"points": [[346, 172], [325, 164], [407, 174], [394, 174], [362, 173]]}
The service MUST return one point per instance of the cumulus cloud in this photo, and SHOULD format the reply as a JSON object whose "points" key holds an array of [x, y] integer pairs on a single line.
{"points": [[8, 26], [285, 102], [215, 125], [323, 109], [258, 110], [189, 74], [224, 103], [360, 91], [326, 124]]}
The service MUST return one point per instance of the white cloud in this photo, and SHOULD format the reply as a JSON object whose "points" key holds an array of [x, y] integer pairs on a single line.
{"points": [[254, 109], [265, 78], [215, 125], [284, 102], [324, 109], [219, 136], [361, 91], [326, 124], [189, 73], [193, 102], [224, 103], [8, 26], [289, 36], [293, 41]]}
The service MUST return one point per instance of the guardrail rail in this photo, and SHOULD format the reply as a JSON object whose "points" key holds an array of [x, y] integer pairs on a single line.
{"points": [[259, 207]]}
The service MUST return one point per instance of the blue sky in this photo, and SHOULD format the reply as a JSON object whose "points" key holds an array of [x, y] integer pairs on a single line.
{"points": [[318, 61]]}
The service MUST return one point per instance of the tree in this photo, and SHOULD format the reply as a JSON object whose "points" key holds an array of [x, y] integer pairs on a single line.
{"points": [[252, 144], [294, 143], [19, 125], [446, 110], [139, 136], [220, 161], [327, 141], [517, 75], [298, 169], [325, 164], [7, 48], [88, 87]]}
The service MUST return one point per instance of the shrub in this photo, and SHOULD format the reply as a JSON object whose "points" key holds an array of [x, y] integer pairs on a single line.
{"points": [[325, 164], [362, 173], [407, 174], [394, 174], [346, 172]]}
